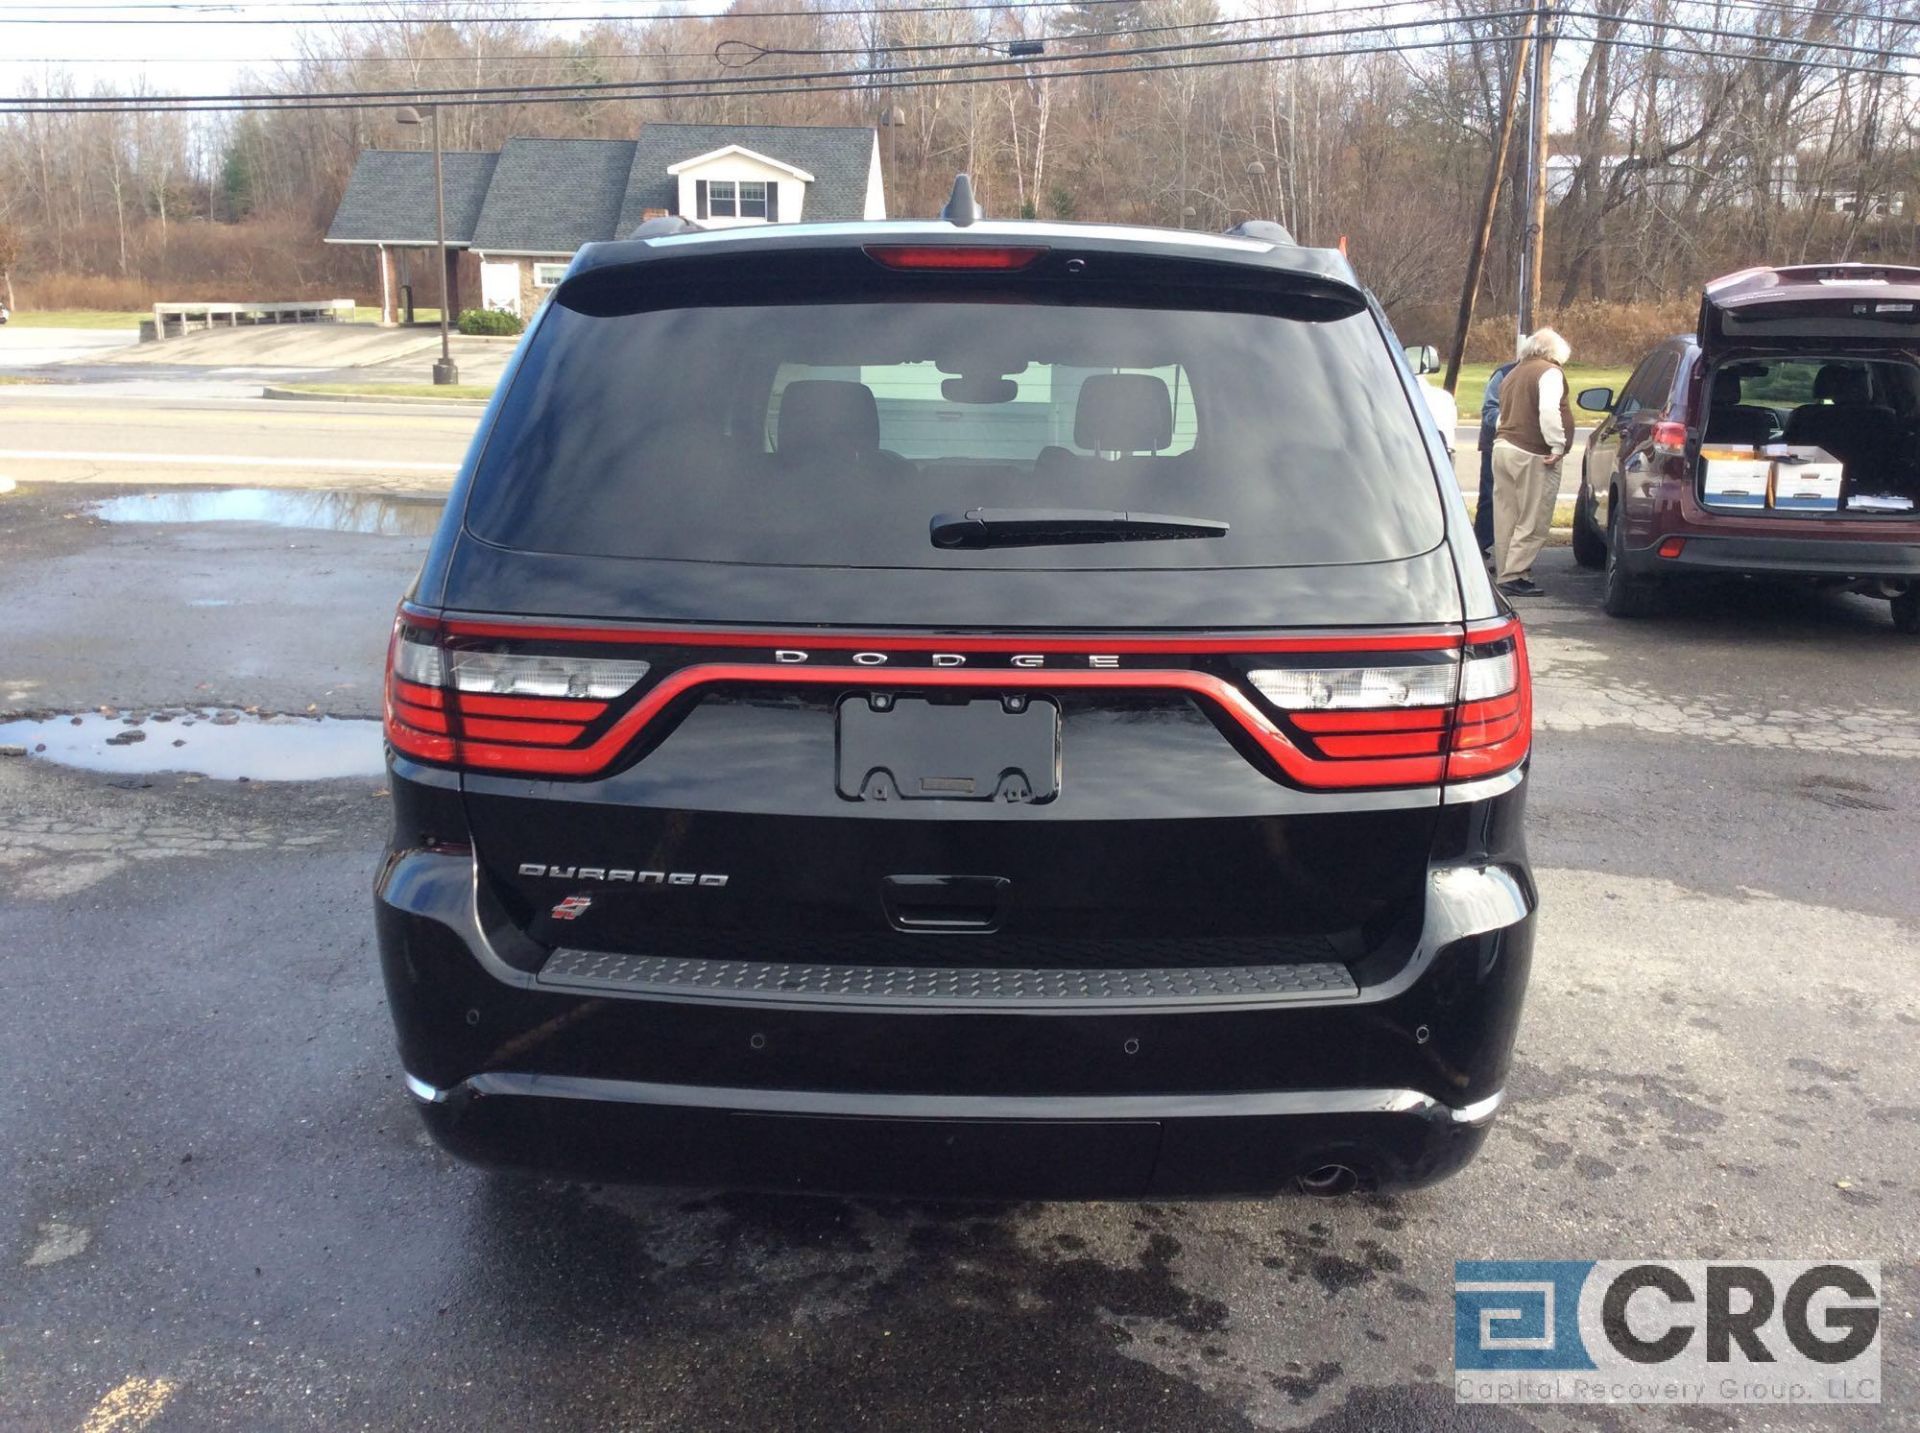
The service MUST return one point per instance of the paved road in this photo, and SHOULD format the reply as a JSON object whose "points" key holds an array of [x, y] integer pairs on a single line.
{"points": [[217, 1208], [99, 433], [184, 426]]}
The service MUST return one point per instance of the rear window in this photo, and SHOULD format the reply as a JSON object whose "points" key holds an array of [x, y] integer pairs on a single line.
{"points": [[831, 434]]}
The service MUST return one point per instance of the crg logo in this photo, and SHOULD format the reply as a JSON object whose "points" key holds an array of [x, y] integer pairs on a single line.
{"points": [[614, 874]]}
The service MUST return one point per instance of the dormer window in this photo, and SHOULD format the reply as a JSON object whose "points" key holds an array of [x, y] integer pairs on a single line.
{"points": [[737, 199]]}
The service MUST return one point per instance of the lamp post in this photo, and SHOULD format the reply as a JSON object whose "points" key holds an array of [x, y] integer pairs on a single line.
{"points": [[444, 371]]}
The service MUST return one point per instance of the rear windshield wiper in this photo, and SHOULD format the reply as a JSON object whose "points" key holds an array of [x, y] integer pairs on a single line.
{"points": [[1044, 527]]}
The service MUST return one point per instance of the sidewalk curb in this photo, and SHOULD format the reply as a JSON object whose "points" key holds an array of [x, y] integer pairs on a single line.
{"points": [[292, 395]]}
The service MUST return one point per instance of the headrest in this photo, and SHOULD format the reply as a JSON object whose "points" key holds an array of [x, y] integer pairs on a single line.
{"points": [[828, 415], [1841, 383], [1123, 413], [1726, 389]]}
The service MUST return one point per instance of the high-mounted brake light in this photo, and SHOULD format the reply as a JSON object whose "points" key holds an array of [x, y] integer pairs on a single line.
{"points": [[954, 256]]}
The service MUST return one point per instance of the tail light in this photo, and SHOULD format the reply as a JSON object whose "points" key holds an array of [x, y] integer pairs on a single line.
{"points": [[1669, 440], [489, 705], [1461, 715], [1345, 711]]}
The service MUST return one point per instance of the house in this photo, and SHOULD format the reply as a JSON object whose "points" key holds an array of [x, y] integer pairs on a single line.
{"points": [[521, 214]]}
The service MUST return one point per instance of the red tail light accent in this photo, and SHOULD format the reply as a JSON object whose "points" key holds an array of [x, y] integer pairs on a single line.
{"points": [[1670, 439], [430, 717], [953, 256], [1673, 547], [1492, 735], [444, 722]]}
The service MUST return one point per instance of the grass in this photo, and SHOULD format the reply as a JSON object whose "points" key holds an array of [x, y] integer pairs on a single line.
{"points": [[1473, 386], [393, 390], [15, 380], [78, 318]]}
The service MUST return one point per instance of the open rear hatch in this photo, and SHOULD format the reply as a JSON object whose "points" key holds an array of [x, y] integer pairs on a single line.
{"points": [[1812, 393], [1822, 304]]}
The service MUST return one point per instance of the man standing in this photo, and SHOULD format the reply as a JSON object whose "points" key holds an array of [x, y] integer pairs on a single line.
{"points": [[1489, 421], [1534, 433]]}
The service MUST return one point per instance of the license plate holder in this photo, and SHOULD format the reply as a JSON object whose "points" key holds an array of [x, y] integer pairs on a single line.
{"points": [[1000, 749]]}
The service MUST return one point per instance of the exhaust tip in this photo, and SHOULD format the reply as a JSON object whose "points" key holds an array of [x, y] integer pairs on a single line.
{"points": [[1329, 1181]]}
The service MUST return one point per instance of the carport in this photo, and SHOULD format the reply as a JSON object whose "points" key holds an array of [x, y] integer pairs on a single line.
{"points": [[389, 208]]}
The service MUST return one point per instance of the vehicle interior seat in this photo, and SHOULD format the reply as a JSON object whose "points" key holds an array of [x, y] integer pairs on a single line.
{"points": [[1731, 421], [1128, 414], [833, 421], [1844, 419]]}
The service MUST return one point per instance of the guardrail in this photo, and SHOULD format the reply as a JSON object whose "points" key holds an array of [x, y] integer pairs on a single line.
{"points": [[172, 319]]}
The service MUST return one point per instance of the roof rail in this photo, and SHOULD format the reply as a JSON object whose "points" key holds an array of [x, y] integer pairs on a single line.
{"points": [[661, 228], [961, 209], [1265, 229]]}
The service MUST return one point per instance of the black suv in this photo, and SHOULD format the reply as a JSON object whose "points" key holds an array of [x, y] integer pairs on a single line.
{"points": [[958, 709]]}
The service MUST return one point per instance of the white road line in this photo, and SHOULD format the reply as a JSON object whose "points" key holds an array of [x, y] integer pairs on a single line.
{"points": [[225, 460]]}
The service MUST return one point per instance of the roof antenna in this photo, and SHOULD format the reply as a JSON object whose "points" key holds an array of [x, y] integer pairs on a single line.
{"points": [[961, 210]]}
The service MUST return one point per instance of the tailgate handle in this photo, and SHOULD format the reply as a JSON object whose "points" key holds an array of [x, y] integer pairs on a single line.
{"points": [[944, 903]]}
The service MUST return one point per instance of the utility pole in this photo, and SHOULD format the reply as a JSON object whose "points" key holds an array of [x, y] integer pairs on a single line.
{"points": [[1489, 205], [1537, 171], [444, 371]]}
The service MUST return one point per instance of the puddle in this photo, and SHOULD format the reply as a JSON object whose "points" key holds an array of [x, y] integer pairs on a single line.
{"points": [[281, 507], [226, 745]]}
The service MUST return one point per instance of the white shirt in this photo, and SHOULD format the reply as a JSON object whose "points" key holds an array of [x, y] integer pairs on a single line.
{"points": [[1553, 385]]}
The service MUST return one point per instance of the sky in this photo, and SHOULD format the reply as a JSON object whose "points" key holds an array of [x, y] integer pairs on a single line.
{"points": [[204, 52]]}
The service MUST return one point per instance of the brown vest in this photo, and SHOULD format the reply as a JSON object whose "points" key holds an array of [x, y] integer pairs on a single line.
{"points": [[1520, 408]]}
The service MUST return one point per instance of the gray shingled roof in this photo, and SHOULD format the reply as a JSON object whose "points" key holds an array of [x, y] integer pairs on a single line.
{"points": [[389, 199], [836, 157], [550, 196]]}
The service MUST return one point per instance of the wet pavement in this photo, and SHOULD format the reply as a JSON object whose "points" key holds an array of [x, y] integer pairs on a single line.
{"points": [[217, 1210], [371, 513], [226, 745]]}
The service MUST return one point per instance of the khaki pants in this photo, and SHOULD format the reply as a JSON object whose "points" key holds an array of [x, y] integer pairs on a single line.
{"points": [[1524, 492]]}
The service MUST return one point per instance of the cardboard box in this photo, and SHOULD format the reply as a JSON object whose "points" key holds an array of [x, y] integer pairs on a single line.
{"points": [[1804, 479], [1736, 477]]}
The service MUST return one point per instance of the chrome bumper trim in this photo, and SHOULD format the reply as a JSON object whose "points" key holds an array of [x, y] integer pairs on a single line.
{"points": [[1480, 1111], [1251, 1104], [1461, 793]]}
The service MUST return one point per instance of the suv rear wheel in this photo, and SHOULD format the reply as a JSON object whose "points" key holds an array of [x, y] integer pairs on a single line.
{"points": [[1906, 611], [1589, 543], [1625, 595]]}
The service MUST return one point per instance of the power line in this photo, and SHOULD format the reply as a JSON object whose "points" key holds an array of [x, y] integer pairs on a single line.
{"points": [[265, 103], [581, 88], [946, 7], [708, 54], [1708, 30], [1819, 11], [1663, 48]]}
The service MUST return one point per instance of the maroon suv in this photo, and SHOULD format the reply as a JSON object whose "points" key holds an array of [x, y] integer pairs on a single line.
{"points": [[1782, 440]]}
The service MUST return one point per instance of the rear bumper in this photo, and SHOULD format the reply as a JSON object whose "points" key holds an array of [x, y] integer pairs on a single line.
{"points": [[1782, 556], [951, 1146], [1394, 1076]]}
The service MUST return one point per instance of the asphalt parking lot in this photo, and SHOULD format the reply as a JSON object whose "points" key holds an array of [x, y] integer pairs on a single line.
{"points": [[217, 1210]]}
